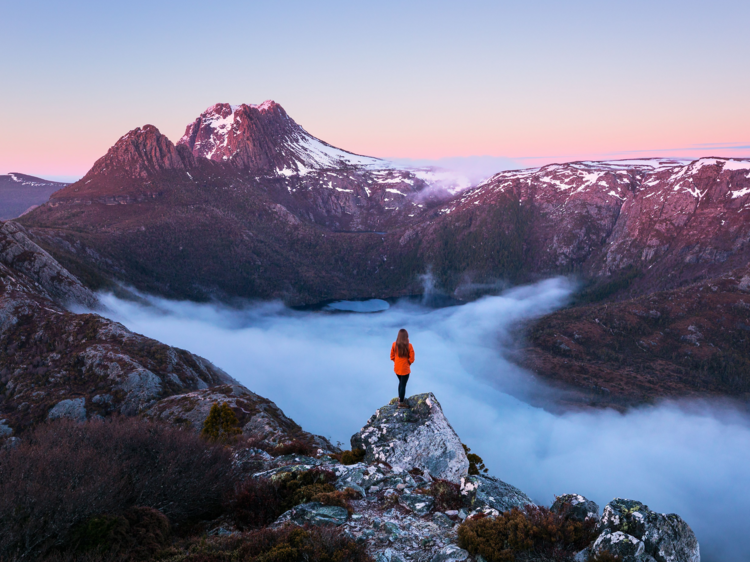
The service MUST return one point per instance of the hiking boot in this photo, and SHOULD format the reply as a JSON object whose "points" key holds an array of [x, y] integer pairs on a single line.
{"points": [[403, 405]]}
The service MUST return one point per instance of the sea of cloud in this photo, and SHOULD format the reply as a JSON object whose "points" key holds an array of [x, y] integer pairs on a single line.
{"points": [[329, 370]]}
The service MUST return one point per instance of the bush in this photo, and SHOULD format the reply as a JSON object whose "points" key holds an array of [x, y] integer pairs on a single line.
{"points": [[138, 534], [221, 425], [447, 495], [476, 464], [312, 544], [255, 502], [352, 457], [295, 447], [532, 533], [259, 501], [64, 473]]}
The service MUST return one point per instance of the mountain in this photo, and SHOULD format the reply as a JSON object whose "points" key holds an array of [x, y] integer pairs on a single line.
{"points": [[249, 205], [56, 363], [20, 193]]}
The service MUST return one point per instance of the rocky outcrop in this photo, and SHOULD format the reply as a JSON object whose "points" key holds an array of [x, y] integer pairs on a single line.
{"points": [[139, 154], [18, 252], [575, 507], [265, 140], [491, 496], [417, 437], [55, 363], [630, 529], [259, 418]]}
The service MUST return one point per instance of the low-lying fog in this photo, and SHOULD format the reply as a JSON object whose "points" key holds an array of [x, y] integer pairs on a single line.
{"points": [[330, 371]]}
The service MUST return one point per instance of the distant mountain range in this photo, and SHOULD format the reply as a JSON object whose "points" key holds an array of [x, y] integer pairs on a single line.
{"points": [[20, 193], [249, 205]]}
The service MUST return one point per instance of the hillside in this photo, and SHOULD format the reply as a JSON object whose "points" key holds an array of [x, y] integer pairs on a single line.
{"points": [[20, 193]]}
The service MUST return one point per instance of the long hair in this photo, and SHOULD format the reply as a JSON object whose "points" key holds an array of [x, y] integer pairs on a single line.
{"points": [[402, 344]]}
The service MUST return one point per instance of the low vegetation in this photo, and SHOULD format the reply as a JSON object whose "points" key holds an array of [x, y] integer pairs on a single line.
{"points": [[532, 533], [64, 475]]}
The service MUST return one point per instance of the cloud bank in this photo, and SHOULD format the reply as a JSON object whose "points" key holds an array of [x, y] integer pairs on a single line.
{"points": [[329, 371]]}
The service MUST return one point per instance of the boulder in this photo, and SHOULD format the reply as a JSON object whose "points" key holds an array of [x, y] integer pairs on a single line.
{"points": [[575, 507], [75, 409], [490, 495], [450, 553], [617, 543], [417, 437], [5, 430], [667, 538], [316, 513], [420, 504]]}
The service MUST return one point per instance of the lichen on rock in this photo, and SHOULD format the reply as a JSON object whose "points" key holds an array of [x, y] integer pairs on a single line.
{"points": [[417, 437]]}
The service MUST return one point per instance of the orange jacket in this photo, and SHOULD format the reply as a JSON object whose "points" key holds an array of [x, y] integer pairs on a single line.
{"points": [[401, 365]]}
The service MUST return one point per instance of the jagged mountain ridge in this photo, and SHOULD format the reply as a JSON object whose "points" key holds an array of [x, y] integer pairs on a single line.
{"points": [[169, 220]]}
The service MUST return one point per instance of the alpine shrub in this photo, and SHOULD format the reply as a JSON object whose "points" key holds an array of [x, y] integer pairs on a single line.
{"points": [[254, 503], [295, 447], [447, 495], [65, 473], [534, 533], [476, 464], [221, 425], [352, 457], [137, 534]]}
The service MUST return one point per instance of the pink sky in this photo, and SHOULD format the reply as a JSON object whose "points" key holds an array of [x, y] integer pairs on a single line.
{"points": [[535, 82]]}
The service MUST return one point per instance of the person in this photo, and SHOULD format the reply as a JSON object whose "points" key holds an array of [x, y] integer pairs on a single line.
{"points": [[402, 355]]}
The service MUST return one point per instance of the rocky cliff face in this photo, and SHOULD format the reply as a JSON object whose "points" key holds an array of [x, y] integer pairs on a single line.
{"points": [[55, 363], [401, 511], [417, 437], [265, 140]]}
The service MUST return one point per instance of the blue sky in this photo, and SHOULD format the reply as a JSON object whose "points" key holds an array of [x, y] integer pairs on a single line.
{"points": [[409, 79]]}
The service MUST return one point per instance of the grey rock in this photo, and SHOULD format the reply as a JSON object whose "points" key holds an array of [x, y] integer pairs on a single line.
{"points": [[450, 553], [420, 504], [75, 409], [575, 507], [442, 520], [318, 514], [667, 538], [619, 544], [393, 530], [488, 494], [142, 388], [18, 252], [388, 555], [5, 430], [102, 399], [418, 437]]}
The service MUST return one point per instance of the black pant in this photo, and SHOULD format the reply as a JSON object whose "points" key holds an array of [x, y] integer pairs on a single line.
{"points": [[402, 380]]}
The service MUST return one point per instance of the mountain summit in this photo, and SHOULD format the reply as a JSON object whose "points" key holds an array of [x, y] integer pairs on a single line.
{"points": [[264, 139]]}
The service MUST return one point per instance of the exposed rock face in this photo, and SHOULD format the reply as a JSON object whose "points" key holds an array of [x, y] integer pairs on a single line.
{"points": [[575, 507], [74, 409], [139, 154], [18, 252], [259, 417], [265, 140], [636, 530], [491, 496], [54, 363], [418, 437]]}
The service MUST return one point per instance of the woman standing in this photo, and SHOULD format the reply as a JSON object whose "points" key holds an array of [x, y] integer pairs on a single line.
{"points": [[402, 355]]}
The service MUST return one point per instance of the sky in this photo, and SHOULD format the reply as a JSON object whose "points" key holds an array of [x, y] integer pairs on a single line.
{"points": [[528, 82], [330, 372]]}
